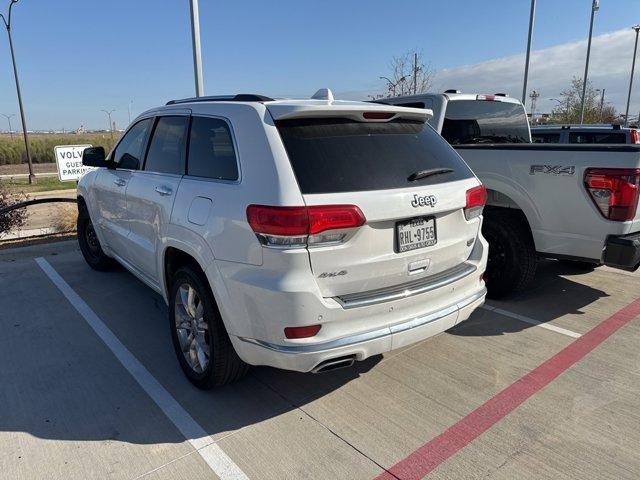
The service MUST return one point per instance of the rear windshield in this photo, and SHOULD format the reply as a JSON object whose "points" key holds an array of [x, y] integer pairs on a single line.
{"points": [[332, 155], [597, 137], [545, 137], [479, 121]]}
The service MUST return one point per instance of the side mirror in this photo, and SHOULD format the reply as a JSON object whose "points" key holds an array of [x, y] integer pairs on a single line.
{"points": [[94, 157]]}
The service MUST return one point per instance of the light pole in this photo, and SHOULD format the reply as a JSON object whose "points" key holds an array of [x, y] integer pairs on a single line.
{"points": [[129, 109], [526, 62], [197, 53], [109, 112], [393, 85], [594, 8], [8, 117], [601, 102], [633, 66], [7, 24]]}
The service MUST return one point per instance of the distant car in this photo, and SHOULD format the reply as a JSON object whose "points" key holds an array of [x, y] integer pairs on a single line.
{"points": [[585, 134], [300, 234]]}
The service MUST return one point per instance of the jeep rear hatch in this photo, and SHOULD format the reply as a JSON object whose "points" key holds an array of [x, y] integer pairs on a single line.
{"points": [[386, 200]]}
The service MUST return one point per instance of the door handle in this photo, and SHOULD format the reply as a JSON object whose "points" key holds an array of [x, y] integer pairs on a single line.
{"points": [[120, 182], [163, 190]]}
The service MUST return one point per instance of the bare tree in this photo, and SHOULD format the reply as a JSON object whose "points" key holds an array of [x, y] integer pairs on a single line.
{"points": [[568, 108], [410, 74]]}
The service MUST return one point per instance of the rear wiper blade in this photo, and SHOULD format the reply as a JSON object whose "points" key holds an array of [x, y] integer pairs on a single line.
{"points": [[428, 173]]}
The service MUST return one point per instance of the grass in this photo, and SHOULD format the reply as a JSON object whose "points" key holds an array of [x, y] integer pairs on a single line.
{"points": [[41, 144], [45, 184]]}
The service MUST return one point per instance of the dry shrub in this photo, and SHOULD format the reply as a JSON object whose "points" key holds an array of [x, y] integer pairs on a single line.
{"points": [[65, 218], [14, 219]]}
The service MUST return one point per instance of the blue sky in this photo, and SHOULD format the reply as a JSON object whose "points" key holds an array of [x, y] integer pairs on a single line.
{"points": [[78, 57]]}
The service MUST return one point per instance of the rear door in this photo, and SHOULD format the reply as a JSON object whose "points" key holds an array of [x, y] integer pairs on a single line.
{"points": [[152, 190], [414, 228]]}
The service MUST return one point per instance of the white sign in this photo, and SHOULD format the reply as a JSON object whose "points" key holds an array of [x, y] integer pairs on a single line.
{"points": [[69, 162]]}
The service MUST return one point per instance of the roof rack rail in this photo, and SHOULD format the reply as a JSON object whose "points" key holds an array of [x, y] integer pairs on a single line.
{"points": [[241, 97], [452, 90]]}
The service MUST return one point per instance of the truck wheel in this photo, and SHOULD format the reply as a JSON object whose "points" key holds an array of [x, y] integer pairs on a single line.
{"points": [[90, 245], [512, 255], [200, 340]]}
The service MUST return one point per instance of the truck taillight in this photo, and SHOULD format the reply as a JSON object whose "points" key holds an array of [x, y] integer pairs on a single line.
{"points": [[295, 227], [476, 200], [614, 191], [635, 137]]}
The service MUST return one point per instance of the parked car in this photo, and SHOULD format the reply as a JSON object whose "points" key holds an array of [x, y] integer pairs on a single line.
{"points": [[575, 203], [598, 134], [300, 234]]}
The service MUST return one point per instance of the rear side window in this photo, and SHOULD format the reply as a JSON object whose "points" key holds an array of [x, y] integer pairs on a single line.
{"points": [[545, 137], [332, 155], [211, 152], [168, 146], [597, 137], [129, 152], [480, 121]]}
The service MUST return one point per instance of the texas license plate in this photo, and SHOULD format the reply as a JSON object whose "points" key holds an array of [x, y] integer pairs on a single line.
{"points": [[415, 233]]}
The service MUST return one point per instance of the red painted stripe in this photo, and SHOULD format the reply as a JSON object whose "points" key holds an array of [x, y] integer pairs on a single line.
{"points": [[436, 451]]}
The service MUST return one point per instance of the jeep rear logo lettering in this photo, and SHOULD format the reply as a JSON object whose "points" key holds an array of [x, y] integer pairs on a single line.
{"points": [[423, 201]]}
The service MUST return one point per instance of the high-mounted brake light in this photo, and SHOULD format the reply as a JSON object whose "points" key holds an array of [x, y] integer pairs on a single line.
{"points": [[295, 227], [635, 137], [488, 98], [614, 191], [302, 332], [476, 200], [378, 115]]}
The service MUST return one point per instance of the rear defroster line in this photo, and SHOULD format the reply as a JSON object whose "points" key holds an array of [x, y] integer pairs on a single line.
{"points": [[433, 453]]}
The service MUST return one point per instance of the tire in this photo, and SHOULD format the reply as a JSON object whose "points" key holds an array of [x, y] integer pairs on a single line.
{"points": [[512, 255], [201, 316], [579, 265], [90, 245]]}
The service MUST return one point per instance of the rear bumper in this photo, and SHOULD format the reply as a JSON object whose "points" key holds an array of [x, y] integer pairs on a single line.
{"points": [[623, 251], [305, 357]]}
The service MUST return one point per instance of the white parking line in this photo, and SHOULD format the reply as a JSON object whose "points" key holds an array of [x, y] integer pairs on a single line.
{"points": [[212, 454], [531, 321]]}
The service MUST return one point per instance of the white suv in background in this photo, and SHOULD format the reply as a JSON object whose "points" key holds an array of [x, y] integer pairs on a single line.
{"points": [[300, 234]]}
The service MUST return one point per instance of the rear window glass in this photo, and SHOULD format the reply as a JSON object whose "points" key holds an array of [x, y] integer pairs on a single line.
{"points": [[479, 121], [211, 152], [332, 155], [596, 137], [545, 137]]}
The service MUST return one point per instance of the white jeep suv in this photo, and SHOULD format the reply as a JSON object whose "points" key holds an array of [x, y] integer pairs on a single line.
{"points": [[300, 234]]}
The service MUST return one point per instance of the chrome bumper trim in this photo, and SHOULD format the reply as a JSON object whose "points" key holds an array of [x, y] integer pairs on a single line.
{"points": [[405, 290], [372, 335]]}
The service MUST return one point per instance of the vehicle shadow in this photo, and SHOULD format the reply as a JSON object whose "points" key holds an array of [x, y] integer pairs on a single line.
{"points": [[68, 386], [557, 283]]}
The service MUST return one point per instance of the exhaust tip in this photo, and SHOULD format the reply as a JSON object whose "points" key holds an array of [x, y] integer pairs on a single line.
{"points": [[334, 364]]}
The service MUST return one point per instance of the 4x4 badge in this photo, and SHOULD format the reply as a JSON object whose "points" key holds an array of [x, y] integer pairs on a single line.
{"points": [[423, 201]]}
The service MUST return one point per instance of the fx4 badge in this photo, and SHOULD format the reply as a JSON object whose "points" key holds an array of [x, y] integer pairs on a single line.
{"points": [[552, 170], [423, 201], [332, 274]]}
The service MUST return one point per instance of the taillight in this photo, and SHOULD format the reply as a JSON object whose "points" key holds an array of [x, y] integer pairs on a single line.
{"points": [[614, 191], [295, 227], [635, 137], [488, 98], [476, 200], [301, 332]]}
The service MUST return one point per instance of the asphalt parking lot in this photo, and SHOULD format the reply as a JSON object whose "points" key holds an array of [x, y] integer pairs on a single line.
{"points": [[546, 385]]}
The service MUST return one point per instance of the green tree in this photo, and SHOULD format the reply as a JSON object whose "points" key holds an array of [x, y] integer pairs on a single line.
{"points": [[568, 108]]}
